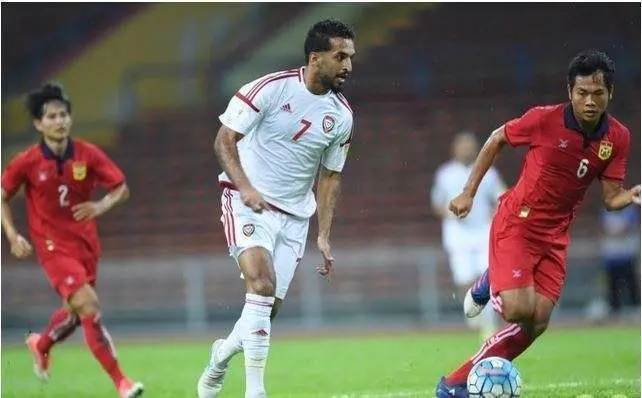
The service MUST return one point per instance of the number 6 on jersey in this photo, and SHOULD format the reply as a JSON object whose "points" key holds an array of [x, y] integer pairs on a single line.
{"points": [[582, 169]]}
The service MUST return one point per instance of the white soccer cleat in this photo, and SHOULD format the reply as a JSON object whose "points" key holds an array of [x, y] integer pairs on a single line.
{"points": [[471, 308], [210, 383]]}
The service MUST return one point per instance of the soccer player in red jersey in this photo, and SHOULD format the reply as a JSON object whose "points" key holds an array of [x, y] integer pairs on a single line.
{"points": [[569, 146], [59, 175]]}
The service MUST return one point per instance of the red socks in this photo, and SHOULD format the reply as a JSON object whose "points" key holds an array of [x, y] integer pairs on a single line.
{"points": [[509, 343], [100, 344], [61, 325]]}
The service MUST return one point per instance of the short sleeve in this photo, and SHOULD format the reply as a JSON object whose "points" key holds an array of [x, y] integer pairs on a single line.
{"points": [[109, 175], [616, 169], [335, 155], [248, 106], [438, 192], [15, 174], [523, 130]]}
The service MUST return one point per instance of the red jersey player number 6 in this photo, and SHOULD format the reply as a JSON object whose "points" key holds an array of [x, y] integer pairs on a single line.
{"points": [[569, 146]]}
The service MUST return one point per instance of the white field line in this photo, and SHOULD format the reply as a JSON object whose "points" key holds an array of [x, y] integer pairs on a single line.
{"points": [[527, 388]]}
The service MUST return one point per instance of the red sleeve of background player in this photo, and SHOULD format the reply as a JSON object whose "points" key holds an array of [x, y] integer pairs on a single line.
{"points": [[15, 174], [109, 175], [522, 131], [616, 169]]}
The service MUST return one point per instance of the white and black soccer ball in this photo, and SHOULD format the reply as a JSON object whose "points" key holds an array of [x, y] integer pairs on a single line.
{"points": [[494, 377]]}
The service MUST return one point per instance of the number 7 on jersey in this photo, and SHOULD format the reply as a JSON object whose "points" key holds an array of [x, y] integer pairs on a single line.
{"points": [[306, 126]]}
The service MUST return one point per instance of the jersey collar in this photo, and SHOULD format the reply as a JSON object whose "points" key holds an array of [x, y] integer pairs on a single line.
{"points": [[48, 154], [571, 123]]}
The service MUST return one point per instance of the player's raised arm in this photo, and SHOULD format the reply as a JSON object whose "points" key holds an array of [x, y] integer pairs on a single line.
{"points": [[462, 204]]}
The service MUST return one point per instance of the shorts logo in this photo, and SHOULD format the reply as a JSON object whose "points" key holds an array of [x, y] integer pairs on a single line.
{"points": [[517, 273], [328, 123], [248, 229], [50, 245], [69, 280], [79, 170], [605, 150]]}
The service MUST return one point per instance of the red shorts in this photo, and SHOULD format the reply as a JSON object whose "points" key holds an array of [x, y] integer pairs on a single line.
{"points": [[519, 259], [67, 274]]}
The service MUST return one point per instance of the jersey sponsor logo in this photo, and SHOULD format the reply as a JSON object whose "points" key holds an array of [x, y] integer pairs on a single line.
{"points": [[606, 148], [328, 123], [248, 229], [79, 170]]}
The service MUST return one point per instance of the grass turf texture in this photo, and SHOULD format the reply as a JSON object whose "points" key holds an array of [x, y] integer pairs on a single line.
{"points": [[593, 362]]}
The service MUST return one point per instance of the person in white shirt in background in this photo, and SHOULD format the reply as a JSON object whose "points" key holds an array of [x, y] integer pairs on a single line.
{"points": [[466, 240], [278, 133]]}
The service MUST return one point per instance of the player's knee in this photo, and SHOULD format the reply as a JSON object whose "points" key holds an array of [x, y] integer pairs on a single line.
{"points": [[262, 286], [85, 302], [518, 312]]}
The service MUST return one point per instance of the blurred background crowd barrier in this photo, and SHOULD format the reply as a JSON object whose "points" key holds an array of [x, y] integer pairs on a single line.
{"points": [[148, 82]]}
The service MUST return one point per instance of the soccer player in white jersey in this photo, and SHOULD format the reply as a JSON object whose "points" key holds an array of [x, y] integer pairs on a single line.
{"points": [[466, 240], [277, 133]]}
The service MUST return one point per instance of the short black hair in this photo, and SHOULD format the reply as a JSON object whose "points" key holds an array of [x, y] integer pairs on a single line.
{"points": [[588, 62], [37, 99], [319, 35]]}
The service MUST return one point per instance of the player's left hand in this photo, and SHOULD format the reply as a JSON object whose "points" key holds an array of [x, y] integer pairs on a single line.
{"points": [[636, 194], [87, 210], [326, 268]]}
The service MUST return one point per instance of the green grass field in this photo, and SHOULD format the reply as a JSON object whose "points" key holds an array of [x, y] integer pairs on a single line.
{"points": [[597, 362]]}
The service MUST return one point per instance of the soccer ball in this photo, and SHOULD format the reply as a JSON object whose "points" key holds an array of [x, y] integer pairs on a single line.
{"points": [[494, 377]]}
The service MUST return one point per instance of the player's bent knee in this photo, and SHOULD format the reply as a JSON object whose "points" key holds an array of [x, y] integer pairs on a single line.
{"points": [[261, 286], [84, 302], [517, 312]]}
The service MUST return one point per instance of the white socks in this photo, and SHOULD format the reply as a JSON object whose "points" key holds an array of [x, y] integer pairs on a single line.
{"points": [[255, 319], [231, 346]]}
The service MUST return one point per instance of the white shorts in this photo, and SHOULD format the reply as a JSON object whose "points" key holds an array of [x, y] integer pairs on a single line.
{"points": [[466, 264], [283, 235]]}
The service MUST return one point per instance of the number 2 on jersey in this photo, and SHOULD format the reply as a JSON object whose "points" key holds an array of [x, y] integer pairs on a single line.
{"points": [[306, 126], [63, 190], [582, 169]]}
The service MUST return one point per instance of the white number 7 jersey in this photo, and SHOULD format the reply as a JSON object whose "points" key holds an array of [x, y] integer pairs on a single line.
{"points": [[288, 132]]}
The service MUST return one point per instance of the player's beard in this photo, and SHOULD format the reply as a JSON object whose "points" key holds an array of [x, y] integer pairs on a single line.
{"points": [[329, 82]]}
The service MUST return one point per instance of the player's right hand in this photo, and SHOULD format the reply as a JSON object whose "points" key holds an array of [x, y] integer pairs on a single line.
{"points": [[254, 200], [461, 204], [20, 247]]}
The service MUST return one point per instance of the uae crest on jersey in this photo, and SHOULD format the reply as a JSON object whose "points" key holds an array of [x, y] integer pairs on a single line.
{"points": [[248, 230], [328, 123], [79, 170], [604, 152]]}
